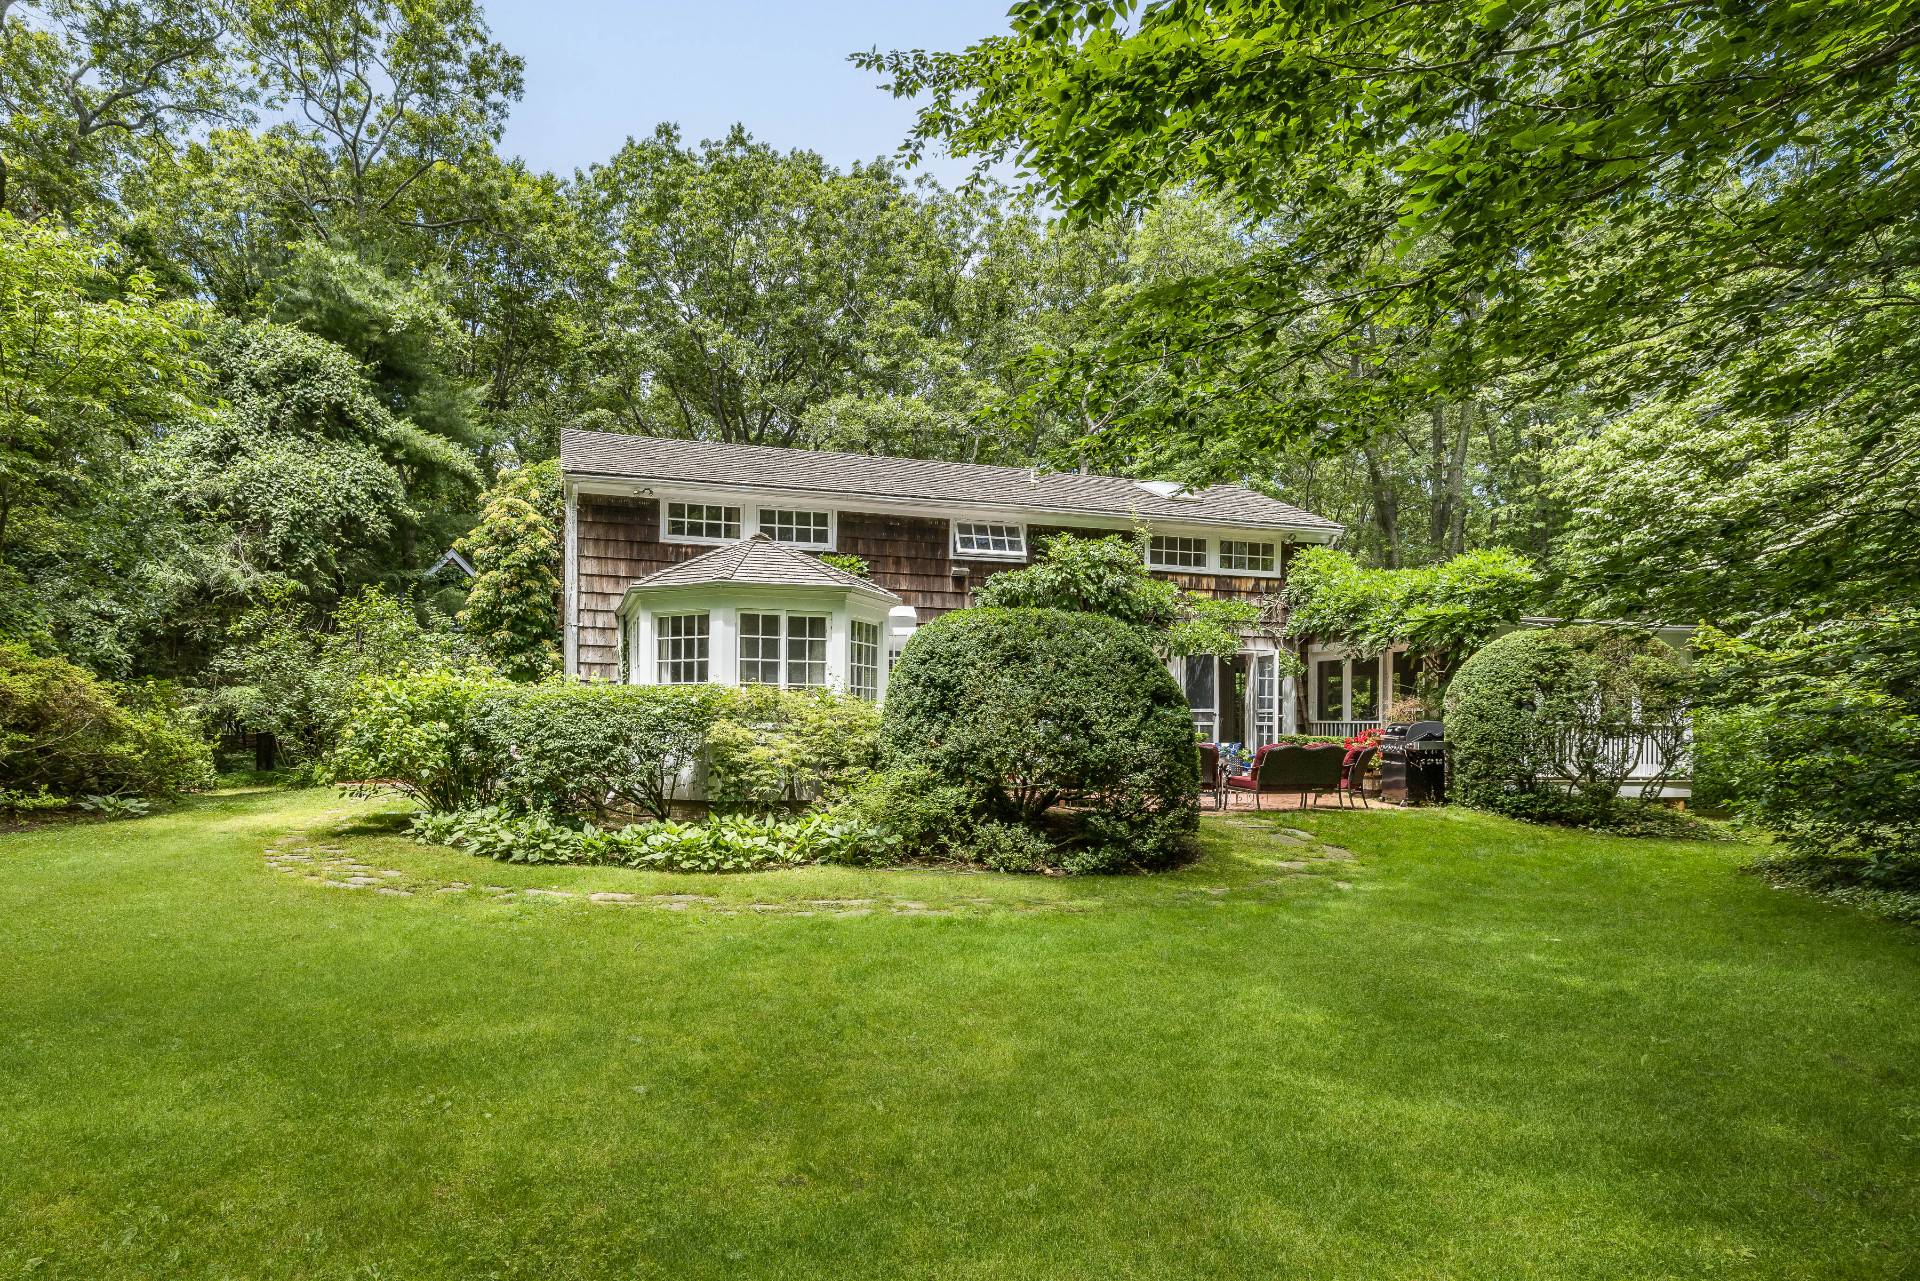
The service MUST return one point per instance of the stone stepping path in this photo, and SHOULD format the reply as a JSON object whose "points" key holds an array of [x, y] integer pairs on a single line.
{"points": [[332, 867]]}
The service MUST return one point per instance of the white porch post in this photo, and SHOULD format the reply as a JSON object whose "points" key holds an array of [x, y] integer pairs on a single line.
{"points": [[1289, 704]]}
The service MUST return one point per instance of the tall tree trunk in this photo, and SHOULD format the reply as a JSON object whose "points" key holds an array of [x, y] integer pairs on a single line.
{"points": [[1439, 514], [1386, 515], [1457, 480]]}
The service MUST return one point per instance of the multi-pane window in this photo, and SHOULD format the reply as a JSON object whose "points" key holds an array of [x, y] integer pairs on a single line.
{"points": [[806, 650], [1254, 558], [760, 636], [798, 528], [703, 520], [978, 538], [1168, 551], [1347, 689], [1266, 698], [681, 648], [1330, 688], [1203, 695], [865, 668], [783, 649]]}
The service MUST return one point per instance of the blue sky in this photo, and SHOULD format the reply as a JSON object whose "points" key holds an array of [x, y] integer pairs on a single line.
{"points": [[599, 71]]}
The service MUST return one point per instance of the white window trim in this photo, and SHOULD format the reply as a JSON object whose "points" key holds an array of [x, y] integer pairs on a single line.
{"points": [[879, 667], [1205, 719], [760, 510], [661, 661], [1220, 557], [1209, 552], [1381, 692], [782, 650], [699, 540], [953, 538]]}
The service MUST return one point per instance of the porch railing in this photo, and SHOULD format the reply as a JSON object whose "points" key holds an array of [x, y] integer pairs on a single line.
{"points": [[1339, 729], [1643, 750], [1641, 753]]}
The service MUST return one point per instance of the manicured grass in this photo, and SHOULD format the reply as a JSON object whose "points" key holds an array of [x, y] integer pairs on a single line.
{"points": [[1477, 1050]]}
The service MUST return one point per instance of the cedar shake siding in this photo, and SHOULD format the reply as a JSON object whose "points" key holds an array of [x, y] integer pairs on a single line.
{"points": [[619, 542]]}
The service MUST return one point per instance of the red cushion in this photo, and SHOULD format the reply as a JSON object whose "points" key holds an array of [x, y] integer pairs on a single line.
{"points": [[1242, 781]]}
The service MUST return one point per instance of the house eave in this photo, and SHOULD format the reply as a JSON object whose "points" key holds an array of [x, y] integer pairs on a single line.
{"points": [[626, 485]]}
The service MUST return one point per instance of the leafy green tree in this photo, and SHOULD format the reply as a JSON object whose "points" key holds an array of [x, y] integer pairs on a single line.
{"points": [[391, 101], [83, 81], [1695, 511], [513, 606], [286, 677], [1623, 195], [89, 365], [307, 476], [747, 285], [1821, 741], [1109, 576], [402, 333]]}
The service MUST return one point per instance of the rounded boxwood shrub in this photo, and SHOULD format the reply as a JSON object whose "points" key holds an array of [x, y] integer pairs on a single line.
{"points": [[1066, 724], [1527, 715]]}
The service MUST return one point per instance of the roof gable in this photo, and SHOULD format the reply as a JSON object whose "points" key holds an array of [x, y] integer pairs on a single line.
{"points": [[760, 562]]}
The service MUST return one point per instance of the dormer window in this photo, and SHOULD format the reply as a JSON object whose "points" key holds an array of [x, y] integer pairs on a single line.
{"points": [[989, 541], [797, 528], [1168, 551]]}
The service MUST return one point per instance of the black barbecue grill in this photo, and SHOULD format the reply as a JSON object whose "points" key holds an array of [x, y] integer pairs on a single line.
{"points": [[1413, 764]]}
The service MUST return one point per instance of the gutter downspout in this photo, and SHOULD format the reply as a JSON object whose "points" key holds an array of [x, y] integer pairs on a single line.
{"points": [[570, 593]]}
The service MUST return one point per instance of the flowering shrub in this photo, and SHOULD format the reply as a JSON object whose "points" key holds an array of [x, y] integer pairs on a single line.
{"points": [[1365, 741]]}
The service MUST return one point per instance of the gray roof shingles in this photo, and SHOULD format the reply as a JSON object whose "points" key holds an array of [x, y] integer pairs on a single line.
{"points": [[806, 471], [761, 562]]}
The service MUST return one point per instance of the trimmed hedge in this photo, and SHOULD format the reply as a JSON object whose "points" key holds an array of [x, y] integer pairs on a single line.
{"points": [[594, 752], [1520, 711], [1065, 724], [591, 751]]}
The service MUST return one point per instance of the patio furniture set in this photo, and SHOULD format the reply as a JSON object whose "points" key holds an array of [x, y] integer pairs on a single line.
{"points": [[1308, 770]]}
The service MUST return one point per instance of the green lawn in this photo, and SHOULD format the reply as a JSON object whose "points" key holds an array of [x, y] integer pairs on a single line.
{"points": [[1476, 1050]]}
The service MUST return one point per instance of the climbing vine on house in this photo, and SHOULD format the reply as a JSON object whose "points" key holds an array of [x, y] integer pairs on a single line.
{"points": [[1436, 612], [514, 606]]}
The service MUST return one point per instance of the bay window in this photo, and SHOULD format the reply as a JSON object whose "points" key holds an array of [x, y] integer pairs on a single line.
{"points": [[783, 649], [681, 649], [864, 667]]}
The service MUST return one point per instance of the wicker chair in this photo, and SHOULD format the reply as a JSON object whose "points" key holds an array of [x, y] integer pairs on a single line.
{"points": [[1353, 771], [1290, 767], [1210, 782]]}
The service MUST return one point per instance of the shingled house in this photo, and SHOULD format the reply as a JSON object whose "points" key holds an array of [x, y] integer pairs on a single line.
{"points": [[689, 561]]}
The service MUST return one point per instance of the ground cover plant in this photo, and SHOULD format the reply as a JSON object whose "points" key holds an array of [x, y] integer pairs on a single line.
{"points": [[1505, 1050]]}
